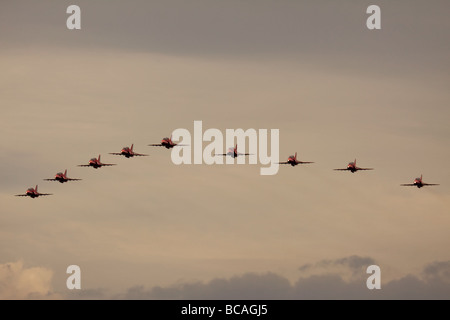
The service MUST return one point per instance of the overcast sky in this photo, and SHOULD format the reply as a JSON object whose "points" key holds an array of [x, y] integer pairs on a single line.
{"points": [[146, 228]]}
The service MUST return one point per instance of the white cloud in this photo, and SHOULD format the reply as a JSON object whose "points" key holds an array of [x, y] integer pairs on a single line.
{"points": [[18, 282]]}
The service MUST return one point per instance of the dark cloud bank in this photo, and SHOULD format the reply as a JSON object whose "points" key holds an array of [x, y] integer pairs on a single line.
{"points": [[432, 283]]}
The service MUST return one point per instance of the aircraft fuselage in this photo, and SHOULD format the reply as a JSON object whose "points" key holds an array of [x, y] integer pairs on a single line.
{"points": [[60, 179], [292, 162], [232, 154], [95, 165], [167, 144], [127, 154]]}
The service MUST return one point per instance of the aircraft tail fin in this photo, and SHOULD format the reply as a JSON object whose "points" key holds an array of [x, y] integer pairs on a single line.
{"points": [[420, 177], [36, 188], [65, 172], [295, 156], [132, 147], [98, 157]]}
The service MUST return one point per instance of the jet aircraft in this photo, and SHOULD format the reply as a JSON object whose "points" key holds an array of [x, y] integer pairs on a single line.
{"points": [[33, 193], [233, 153], [167, 143], [62, 177], [292, 160], [95, 163], [353, 168], [128, 153], [418, 183]]}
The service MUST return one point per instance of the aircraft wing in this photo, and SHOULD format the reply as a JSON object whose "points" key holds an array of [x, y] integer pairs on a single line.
{"points": [[49, 179], [341, 169], [70, 179], [156, 145], [364, 168], [140, 155], [45, 194], [115, 153], [408, 185], [221, 154], [304, 162], [84, 165], [283, 162], [107, 164], [430, 184], [21, 195]]}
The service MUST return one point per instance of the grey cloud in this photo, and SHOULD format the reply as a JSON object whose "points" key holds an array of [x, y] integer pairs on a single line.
{"points": [[235, 27], [245, 287], [355, 262], [352, 263], [305, 267], [410, 287], [87, 294], [328, 286], [438, 270]]}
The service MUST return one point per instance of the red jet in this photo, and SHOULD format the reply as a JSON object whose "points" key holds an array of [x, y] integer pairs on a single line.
{"points": [[418, 183], [353, 168], [168, 143], [33, 193], [128, 153], [233, 153], [95, 163], [62, 177], [292, 160]]}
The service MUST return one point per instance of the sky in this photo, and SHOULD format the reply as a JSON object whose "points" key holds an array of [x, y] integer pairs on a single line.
{"points": [[149, 229]]}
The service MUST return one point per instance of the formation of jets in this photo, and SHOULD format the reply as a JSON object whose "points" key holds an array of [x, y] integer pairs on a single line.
{"points": [[169, 144]]}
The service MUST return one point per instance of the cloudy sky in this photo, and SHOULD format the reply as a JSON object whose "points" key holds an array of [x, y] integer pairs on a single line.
{"points": [[146, 228]]}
